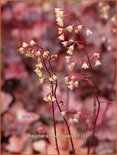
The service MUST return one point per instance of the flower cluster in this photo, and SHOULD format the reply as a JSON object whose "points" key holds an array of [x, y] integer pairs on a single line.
{"points": [[49, 98], [72, 115], [59, 16], [71, 82], [28, 50], [70, 62], [95, 58], [70, 45], [42, 56], [104, 10]]}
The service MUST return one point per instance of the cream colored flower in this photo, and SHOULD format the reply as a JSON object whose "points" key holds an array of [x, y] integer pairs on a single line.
{"points": [[59, 12], [70, 87], [85, 65], [68, 59], [61, 37], [88, 32], [69, 28], [66, 79], [59, 16], [71, 66], [70, 49], [53, 78], [39, 65], [97, 55], [79, 27], [49, 87], [24, 45], [38, 72], [45, 54], [73, 77], [60, 30], [49, 98], [97, 63], [76, 84], [59, 21], [38, 53], [64, 43], [75, 120], [42, 79], [32, 42], [63, 113], [21, 50]]}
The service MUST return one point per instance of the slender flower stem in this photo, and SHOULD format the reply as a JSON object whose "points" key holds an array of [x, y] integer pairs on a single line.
{"points": [[64, 120], [55, 128], [57, 147], [95, 92], [56, 84], [54, 122], [67, 99], [98, 108]]}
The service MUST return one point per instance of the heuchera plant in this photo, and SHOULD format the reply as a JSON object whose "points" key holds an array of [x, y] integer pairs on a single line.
{"points": [[46, 74]]}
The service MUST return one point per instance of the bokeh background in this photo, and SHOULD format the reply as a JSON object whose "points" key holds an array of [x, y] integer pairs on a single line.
{"points": [[22, 94]]}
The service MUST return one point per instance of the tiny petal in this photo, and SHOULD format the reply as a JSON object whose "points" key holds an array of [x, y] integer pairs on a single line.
{"points": [[79, 27], [84, 66], [32, 42], [69, 28], [24, 45], [73, 77], [71, 121], [68, 59], [53, 77], [63, 113], [66, 80], [76, 84], [70, 49], [38, 53], [88, 32], [21, 50], [70, 87], [64, 43], [45, 54], [75, 120], [49, 87], [49, 98], [59, 12], [53, 99], [42, 80], [60, 30], [97, 55], [71, 66], [61, 37], [59, 21], [39, 65], [97, 63], [53, 57]]}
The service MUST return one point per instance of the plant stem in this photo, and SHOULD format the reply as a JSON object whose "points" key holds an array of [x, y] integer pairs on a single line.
{"points": [[53, 111], [64, 120], [98, 108], [67, 99], [55, 128], [95, 92], [56, 84]]}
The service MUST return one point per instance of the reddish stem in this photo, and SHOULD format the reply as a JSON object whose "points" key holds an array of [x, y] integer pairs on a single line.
{"points": [[61, 111], [98, 108], [64, 120], [53, 111], [67, 99], [95, 92]]}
